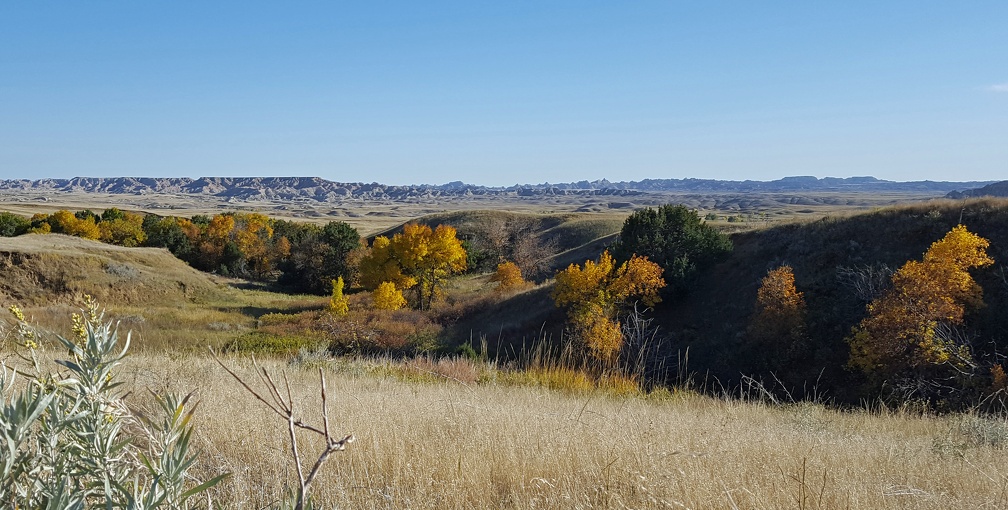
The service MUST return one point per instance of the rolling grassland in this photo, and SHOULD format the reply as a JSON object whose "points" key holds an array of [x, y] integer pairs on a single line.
{"points": [[429, 441]]}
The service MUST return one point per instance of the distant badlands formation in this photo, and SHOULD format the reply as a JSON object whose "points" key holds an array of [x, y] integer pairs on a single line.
{"points": [[316, 189]]}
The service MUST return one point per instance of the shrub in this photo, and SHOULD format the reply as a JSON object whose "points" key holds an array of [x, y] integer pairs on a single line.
{"points": [[778, 326], [338, 303], [13, 224], [264, 342], [508, 277], [904, 326], [70, 441], [676, 239], [388, 297], [596, 293]]}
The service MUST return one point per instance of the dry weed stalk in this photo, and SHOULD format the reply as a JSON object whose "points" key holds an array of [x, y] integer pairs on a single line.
{"points": [[284, 407]]}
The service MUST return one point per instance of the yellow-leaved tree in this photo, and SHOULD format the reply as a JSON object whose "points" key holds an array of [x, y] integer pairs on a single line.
{"points": [[418, 259], [65, 222], [903, 326], [124, 229], [253, 234], [387, 297], [778, 325], [596, 293], [339, 304]]}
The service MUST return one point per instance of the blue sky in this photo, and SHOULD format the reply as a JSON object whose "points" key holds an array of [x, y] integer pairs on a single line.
{"points": [[499, 93]]}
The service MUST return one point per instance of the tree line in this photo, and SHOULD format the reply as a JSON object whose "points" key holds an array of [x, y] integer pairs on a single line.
{"points": [[299, 257]]}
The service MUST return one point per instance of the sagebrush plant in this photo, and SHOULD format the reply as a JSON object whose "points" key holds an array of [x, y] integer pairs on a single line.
{"points": [[70, 441]]}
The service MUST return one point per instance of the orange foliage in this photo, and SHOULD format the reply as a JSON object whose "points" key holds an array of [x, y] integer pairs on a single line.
{"points": [[253, 233], [779, 322], [901, 327], [595, 293], [508, 277]]}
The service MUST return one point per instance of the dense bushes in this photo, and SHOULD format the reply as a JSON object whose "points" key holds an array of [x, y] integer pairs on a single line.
{"points": [[675, 238]]}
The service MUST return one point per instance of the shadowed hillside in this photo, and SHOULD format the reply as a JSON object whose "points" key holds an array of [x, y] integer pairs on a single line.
{"points": [[711, 322]]}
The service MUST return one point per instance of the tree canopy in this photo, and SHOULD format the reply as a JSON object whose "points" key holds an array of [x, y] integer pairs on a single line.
{"points": [[417, 259], [675, 238]]}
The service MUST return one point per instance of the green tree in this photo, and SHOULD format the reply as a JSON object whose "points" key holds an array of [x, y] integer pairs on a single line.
{"points": [[675, 238], [170, 233], [317, 255], [13, 224]]}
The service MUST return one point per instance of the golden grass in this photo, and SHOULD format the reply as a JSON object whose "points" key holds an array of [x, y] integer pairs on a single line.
{"points": [[446, 444]]}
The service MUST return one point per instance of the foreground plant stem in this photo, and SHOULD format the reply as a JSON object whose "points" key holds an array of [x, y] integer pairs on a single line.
{"points": [[284, 407]]}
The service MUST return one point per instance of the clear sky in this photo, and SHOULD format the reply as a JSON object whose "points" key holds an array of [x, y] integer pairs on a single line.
{"points": [[504, 92]]}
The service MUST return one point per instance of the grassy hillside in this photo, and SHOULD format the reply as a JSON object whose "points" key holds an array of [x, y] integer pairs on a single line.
{"points": [[51, 268], [712, 321], [166, 303], [455, 433], [570, 237]]}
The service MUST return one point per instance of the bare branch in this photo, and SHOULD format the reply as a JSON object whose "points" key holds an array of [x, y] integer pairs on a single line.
{"points": [[284, 407], [246, 386]]}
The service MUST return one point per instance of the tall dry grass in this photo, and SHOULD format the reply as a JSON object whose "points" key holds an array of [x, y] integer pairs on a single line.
{"points": [[452, 445]]}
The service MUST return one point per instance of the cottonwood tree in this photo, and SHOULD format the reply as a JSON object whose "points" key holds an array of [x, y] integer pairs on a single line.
{"points": [[598, 292], [907, 328], [417, 259], [122, 228]]}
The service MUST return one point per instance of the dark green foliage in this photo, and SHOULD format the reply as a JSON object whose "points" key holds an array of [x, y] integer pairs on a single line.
{"points": [[167, 233], [674, 237], [87, 213], [318, 256], [13, 224], [112, 214], [477, 260]]}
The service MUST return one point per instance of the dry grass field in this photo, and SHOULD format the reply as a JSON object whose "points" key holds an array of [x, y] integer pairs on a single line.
{"points": [[432, 442]]}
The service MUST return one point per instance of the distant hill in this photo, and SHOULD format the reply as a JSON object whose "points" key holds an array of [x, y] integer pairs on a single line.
{"points": [[40, 269], [997, 189], [315, 189]]}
